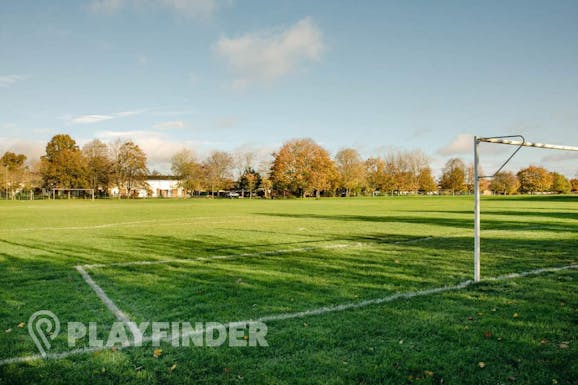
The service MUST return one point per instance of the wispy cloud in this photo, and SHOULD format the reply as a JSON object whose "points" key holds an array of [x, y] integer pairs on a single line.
{"points": [[97, 118], [87, 119], [263, 57], [174, 124], [8, 80], [195, 9]]}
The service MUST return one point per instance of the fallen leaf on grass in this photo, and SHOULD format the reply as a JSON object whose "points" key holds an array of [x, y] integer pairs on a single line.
{"points": [[7, 330], [515, 315], [564, 345], [543, 341], [21, 325], [172, 368], [488, 335], [157, 353], [482, 364], [428, 373]]}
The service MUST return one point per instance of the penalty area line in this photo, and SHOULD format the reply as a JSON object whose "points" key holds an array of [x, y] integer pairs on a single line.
{"points": [[287, 316], [114, 309]]}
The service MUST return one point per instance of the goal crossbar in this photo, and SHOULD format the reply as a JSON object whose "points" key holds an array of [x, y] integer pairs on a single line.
{"points": [[523, 143], [498, 140]]}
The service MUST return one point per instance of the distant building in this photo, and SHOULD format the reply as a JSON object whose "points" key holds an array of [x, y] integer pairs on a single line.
{"points": [[162, 187], [155, 186]]}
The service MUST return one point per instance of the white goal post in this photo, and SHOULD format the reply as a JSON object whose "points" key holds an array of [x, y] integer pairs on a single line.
{"points": [[69, 190], [521, 142]]}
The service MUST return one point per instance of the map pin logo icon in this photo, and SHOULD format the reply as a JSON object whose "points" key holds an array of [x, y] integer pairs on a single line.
{"points": [[43, 326]]}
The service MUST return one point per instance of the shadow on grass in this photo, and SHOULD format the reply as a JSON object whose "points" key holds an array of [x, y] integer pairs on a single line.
{"points": [[458, 223], [433, 340]]}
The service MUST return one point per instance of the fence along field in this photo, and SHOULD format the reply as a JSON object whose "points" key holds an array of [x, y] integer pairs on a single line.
{"points": [[310, 268]]}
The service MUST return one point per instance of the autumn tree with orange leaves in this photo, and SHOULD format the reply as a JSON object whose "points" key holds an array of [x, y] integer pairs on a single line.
{"points": [[351, 170], [534, 179], [302, 167]]}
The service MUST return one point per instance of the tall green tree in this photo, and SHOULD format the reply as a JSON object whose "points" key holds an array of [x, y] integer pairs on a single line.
{"points": [[250, 180], [63, 165]]}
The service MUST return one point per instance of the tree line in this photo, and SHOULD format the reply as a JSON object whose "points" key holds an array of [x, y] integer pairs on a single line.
{"points": [[300, 168]]}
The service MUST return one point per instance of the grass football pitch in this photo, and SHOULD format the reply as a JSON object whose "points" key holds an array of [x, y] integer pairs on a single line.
{"points": [[353, 291]]}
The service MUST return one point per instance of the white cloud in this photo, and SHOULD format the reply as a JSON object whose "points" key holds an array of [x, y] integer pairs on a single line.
{"points": [[196, 9], [462, 144], [169, 125], [124, 114], [33, 149], [263, 57], [158, 146], [8, 80], [86, 119], [97, 118]]}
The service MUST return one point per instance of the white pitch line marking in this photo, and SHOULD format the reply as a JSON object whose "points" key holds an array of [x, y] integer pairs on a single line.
{"points": [[313, 312], [115, 310]]}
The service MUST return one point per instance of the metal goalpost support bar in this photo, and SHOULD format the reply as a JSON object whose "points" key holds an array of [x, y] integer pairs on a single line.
{"points": [[497, 140]]}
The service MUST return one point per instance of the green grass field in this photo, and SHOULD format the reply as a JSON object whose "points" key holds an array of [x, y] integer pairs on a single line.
{"points": [[231, 260]]}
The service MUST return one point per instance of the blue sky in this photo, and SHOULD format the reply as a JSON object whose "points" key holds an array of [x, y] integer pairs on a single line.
{"points": [[248, 75]]}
